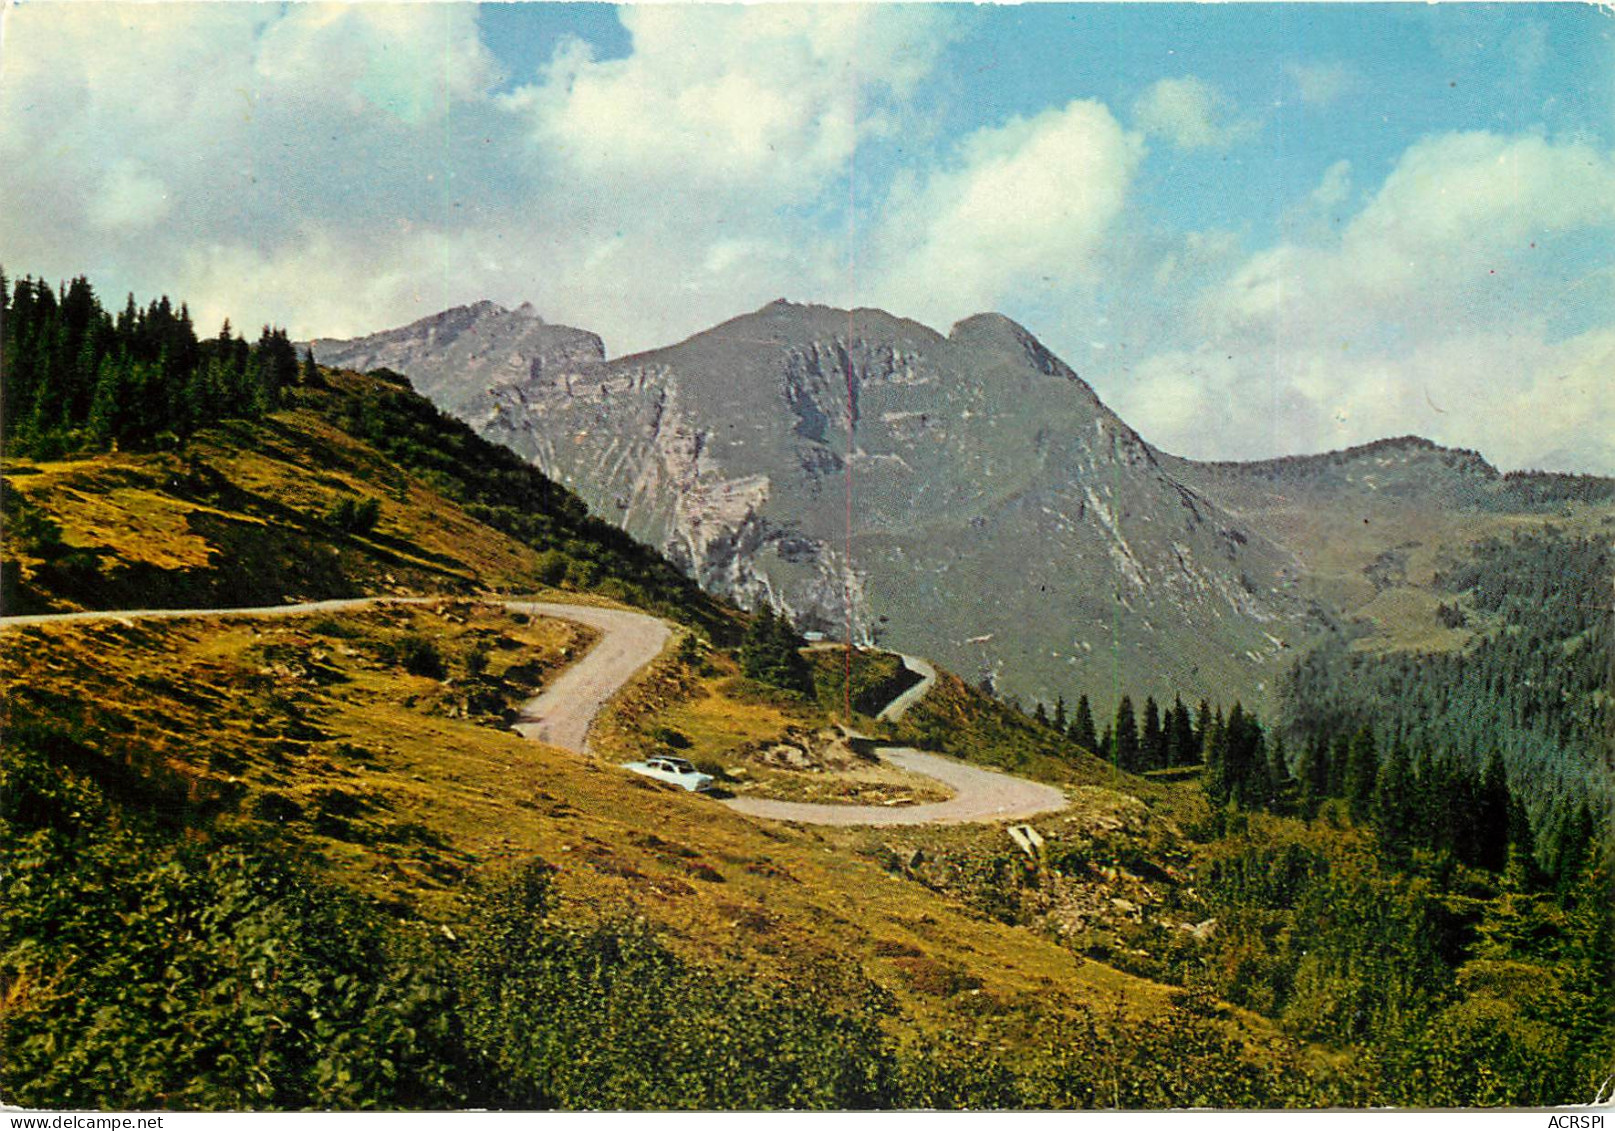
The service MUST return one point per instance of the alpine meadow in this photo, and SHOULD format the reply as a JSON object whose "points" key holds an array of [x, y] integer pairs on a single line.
{"points": [[806, 557]]}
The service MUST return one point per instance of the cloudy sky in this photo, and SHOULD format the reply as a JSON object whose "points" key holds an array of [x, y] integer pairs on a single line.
{"points": [[1255, 229]]}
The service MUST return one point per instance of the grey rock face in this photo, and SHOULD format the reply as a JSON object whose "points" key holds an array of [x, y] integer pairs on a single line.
{"points": [[965, 497], [459, 357]]}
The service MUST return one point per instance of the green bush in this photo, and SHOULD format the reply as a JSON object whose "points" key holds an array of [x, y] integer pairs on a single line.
{"points": [[144, 972], [355, 516], [420, 656], [608, 1017]]}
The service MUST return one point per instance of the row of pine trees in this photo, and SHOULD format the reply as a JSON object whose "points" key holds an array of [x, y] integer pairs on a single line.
{"points": [[1414, 800], [79, 378], [1159, 740]]}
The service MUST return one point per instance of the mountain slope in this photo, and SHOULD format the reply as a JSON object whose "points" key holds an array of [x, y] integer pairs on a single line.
{"points": [[459, 356], [1002, 519], [1375, 526], [257, 512]]}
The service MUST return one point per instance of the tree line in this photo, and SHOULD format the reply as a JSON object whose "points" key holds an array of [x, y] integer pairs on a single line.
{"points": [[1155, 739], [80, 378]]}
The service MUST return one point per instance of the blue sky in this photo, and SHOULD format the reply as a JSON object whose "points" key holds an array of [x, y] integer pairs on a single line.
{"points": [[1255, 229]]}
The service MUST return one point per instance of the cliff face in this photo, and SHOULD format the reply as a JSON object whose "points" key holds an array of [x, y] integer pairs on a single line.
{"points": [[457, 358], [999, 517]]}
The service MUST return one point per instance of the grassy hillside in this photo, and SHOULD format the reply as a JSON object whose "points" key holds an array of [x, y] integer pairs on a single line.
{"points": [[248, 798], [312, 741], [272, 510]]}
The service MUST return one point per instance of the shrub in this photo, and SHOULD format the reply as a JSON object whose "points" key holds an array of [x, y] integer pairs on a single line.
{"points": [[420, 656], [552, 567], [355, 516]]}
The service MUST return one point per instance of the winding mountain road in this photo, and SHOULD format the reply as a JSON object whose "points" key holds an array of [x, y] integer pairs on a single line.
{"points": [[559, 716], [898, 707], [562, 713], [979, 795]]}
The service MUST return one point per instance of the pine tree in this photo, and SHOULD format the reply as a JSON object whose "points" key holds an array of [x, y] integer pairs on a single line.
{"points": [[1061, 723], [310, 375], [770, 652], [1039, 715], [1362, 772], [1242, 770], [1180, 744], [1202, 730], [1492, 817], [1126, 753], [1339, 758], [1572, 847], [1221, 769], [1082, 726], [1521, 871], [1281, 784], [755, 646], [106, 421], [1393, 814], [1313, 776], [1153, 745]]}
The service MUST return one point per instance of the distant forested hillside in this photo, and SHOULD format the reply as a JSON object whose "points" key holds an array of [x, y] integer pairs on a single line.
{"points": [[1534, 691]]}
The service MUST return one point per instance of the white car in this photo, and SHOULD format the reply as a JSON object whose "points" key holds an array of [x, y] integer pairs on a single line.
{"points": [[678, 771]]}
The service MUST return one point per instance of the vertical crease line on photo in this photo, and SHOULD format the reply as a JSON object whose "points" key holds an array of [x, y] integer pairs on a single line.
{"points": [[852, 269]]}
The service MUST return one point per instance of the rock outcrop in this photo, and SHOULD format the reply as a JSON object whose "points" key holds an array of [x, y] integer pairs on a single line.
{"points": [[460, 357], [966, 497]]}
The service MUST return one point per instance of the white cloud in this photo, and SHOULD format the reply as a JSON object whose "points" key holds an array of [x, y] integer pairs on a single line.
{"points": [[1433, 311], [1191, 114], [731, 98], [1457, 212], [1029, 203], [129, 198], [224, 152], [166, 134], [1334, 188], [1323, 82]]}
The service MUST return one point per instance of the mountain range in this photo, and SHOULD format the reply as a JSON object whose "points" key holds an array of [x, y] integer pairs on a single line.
{"points": [[964, 496]]}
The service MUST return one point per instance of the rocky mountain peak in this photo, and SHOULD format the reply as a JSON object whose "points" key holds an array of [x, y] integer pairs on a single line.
{"points": [[457, 357], [996, 332]]}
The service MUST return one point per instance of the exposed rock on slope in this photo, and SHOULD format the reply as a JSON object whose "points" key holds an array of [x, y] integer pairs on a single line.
{"points": [[1002, 519], [458, 357]]}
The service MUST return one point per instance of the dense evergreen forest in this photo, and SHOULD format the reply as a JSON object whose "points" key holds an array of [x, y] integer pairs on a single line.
{"points": [[1529, 700], [78, 378], [1417, 862]]}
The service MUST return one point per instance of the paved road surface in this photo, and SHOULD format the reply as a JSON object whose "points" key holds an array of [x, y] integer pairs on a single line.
{"points": [[332, 606], [560, 716], [979, 795], [898, 707]]}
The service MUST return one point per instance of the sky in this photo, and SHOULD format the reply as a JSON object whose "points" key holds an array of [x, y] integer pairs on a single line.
{"points": [[1255, 229]]}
